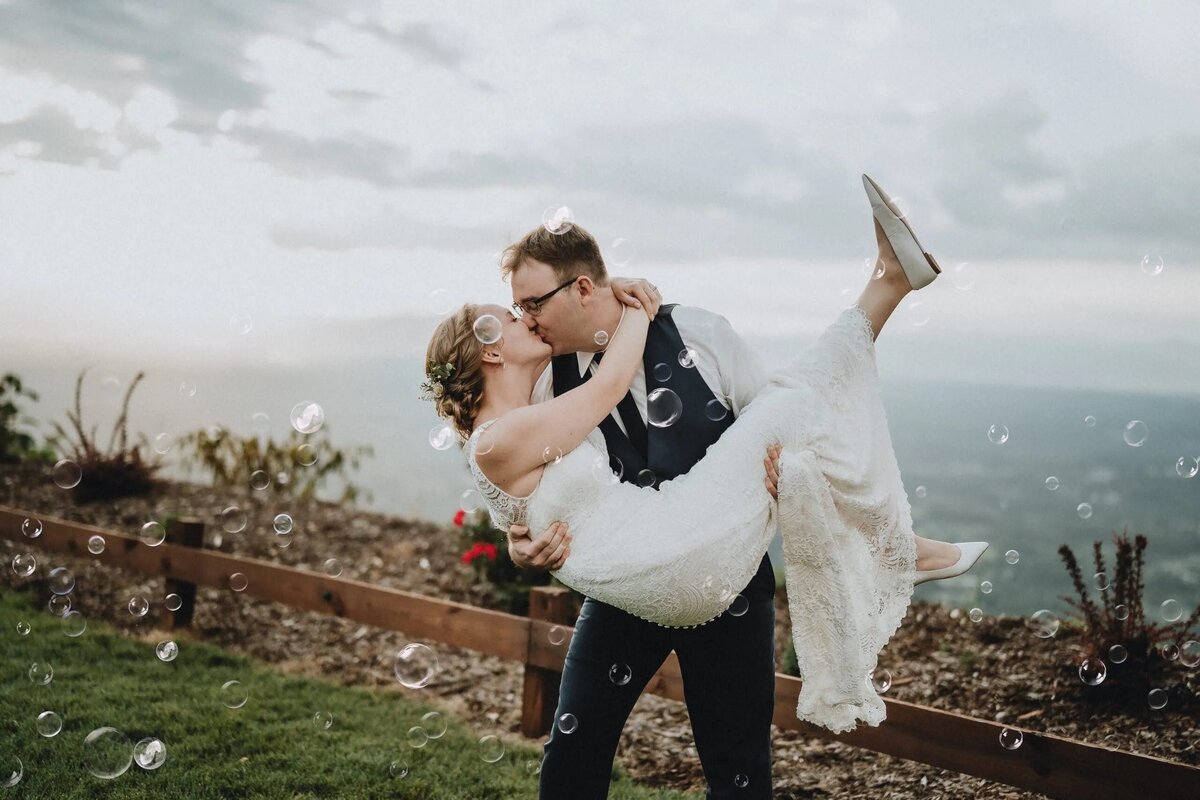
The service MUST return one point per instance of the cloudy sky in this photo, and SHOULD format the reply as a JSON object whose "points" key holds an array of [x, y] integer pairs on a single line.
{"points": [[278, 182]]}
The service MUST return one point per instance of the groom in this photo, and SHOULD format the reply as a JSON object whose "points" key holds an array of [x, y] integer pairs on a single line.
{"points": [[562, 292]]}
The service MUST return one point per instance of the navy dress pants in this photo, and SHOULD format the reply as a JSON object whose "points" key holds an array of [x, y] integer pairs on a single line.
{"points": [[728, 669]]}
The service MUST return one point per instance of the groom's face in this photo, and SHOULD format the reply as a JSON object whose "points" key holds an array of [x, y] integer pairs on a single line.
{"points": [[559, 320]]}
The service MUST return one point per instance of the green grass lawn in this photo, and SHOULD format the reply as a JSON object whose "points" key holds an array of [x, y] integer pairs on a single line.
{"points": [[268, 748]]}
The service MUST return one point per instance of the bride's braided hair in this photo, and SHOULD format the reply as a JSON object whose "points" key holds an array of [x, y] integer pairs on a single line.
{"points": [[457, 397]]}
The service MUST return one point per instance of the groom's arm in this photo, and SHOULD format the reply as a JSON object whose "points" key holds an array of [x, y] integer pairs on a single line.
{"points": [[731, 368]]}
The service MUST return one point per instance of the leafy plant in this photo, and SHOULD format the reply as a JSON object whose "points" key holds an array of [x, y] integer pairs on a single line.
{"points": [[117, 471], [16, 446], [1120, 620], [295, 468]]}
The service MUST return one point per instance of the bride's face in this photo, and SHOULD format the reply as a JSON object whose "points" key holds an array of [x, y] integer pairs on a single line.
{"points": [[517, 343]]}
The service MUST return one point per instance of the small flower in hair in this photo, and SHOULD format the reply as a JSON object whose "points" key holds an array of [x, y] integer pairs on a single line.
{"points": [[438, 374]]}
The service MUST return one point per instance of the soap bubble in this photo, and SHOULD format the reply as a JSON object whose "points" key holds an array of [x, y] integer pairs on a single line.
{"points": [[434, 724], [41, 673], [59, 604], [60, 580], [441, 437], [96, 544], [488, 329], [166, 651], [415, 665], [715, 410], [1011, 738], [73, 624], [567, 723], [558, 219], [152, 534], [998, 434], [491, 749], [1043, 623], [663, 408], [11, 771], [234, 519], [139, 606], [108, 753], [1135, 433], [24, 564], [1092, 671], [49, 724], [1152, 265], [67, 474], [307, 417], [619, 674], [150, 753], [233, 694], [1171, 610]]}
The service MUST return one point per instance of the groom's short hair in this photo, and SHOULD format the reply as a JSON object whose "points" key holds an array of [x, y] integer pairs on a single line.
{"points": [[571, 253]]}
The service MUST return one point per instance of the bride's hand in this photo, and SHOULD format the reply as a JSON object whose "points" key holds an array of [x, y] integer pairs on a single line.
{"points": [[547, 551], [637, 292], [771, 462]]}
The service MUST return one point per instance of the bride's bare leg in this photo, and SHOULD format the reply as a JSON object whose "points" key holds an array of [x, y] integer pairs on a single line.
{"points": [[884, 291]]}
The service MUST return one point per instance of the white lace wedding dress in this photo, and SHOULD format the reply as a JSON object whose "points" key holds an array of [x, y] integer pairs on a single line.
{"points": [[678, 556]]}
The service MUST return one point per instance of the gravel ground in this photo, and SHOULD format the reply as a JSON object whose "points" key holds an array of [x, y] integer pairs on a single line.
{"points": [[993, 669]]}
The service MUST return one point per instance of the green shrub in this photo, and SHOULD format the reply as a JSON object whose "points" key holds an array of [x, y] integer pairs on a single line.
{"points": [[293, 469], [16, 446]]}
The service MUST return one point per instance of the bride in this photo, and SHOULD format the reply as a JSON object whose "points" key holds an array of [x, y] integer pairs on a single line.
{"points": [[849, 548]]}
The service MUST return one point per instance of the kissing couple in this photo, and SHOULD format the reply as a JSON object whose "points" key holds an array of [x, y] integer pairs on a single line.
{"points": [[633, 438]]}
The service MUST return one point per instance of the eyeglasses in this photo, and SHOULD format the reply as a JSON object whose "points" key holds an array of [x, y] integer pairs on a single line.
{"points": [[534, 307]]}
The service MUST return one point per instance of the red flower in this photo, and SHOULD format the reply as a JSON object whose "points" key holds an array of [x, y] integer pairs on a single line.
{"points": [[459, 516], [480, 549]]}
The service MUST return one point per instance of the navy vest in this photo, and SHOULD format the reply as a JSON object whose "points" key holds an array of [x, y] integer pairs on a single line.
{"points": [[674, 449]]}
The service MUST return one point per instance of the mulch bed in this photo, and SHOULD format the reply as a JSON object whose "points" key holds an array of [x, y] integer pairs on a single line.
{"points": [[994, 669]]}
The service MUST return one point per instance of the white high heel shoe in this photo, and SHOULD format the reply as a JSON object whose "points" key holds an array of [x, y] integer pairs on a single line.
{"points": [[919, 267], [969, 553]]}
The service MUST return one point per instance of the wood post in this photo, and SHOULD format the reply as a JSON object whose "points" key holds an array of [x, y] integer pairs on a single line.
{"points": [[188, 532], [540, 699]]}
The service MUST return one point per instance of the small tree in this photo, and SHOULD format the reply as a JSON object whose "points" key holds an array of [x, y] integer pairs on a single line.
{"points": [[117, 471]]}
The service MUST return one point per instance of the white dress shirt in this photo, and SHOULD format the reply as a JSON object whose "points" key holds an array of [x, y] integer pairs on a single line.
{"points": [[734, 372]]}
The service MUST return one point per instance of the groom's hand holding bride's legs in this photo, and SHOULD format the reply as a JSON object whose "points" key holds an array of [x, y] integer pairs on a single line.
{"points": [[547, 551]]}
